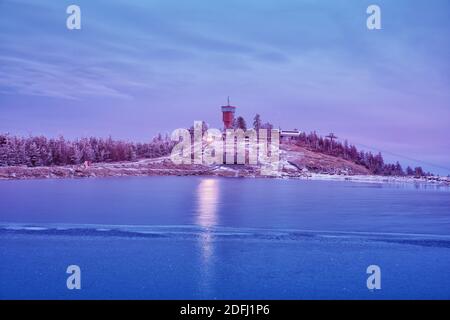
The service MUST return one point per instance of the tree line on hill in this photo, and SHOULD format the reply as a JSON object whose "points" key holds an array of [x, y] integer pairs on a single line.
{"points": [[312, 141], [373, 162], [40, 151]]}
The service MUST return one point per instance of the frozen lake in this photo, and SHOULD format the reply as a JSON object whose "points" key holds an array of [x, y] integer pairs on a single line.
{"points": [[196, 238]]}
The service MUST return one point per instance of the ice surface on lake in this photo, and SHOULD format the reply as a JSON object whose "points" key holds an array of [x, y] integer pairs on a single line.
{"points": [[196, 238]]}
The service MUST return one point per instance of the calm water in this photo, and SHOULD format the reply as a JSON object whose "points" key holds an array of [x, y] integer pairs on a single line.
{"points": [[253, 203], [196, 238]]}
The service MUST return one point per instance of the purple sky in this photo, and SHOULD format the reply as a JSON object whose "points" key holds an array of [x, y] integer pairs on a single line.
{"points": [[137, 68]]}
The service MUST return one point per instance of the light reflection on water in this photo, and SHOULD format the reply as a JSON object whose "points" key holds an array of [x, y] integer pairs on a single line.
{"points": [[207, 202], [207, 213]]}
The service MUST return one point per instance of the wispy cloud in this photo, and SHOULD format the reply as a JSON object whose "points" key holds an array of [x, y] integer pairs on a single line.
{"points": [[299, 63]]}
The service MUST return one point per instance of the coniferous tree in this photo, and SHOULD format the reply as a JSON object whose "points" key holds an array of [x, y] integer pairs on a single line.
{"points": [[267, 125], [409, 171], [240, 123], [257, 122], [418, 172]]}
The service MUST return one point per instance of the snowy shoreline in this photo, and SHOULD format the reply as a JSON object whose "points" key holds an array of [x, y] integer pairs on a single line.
{"points": [[162, 167], [433, 180]]}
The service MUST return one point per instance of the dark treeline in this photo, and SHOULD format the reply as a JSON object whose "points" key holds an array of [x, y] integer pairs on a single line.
{"points": [[40, 151], [375, 163]]}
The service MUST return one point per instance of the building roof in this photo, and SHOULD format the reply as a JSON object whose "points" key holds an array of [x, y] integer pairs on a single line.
{"points": [[229, 108]]}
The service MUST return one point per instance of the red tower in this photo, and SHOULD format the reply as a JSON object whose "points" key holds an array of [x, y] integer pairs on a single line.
{"points": [[228, 115]]}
